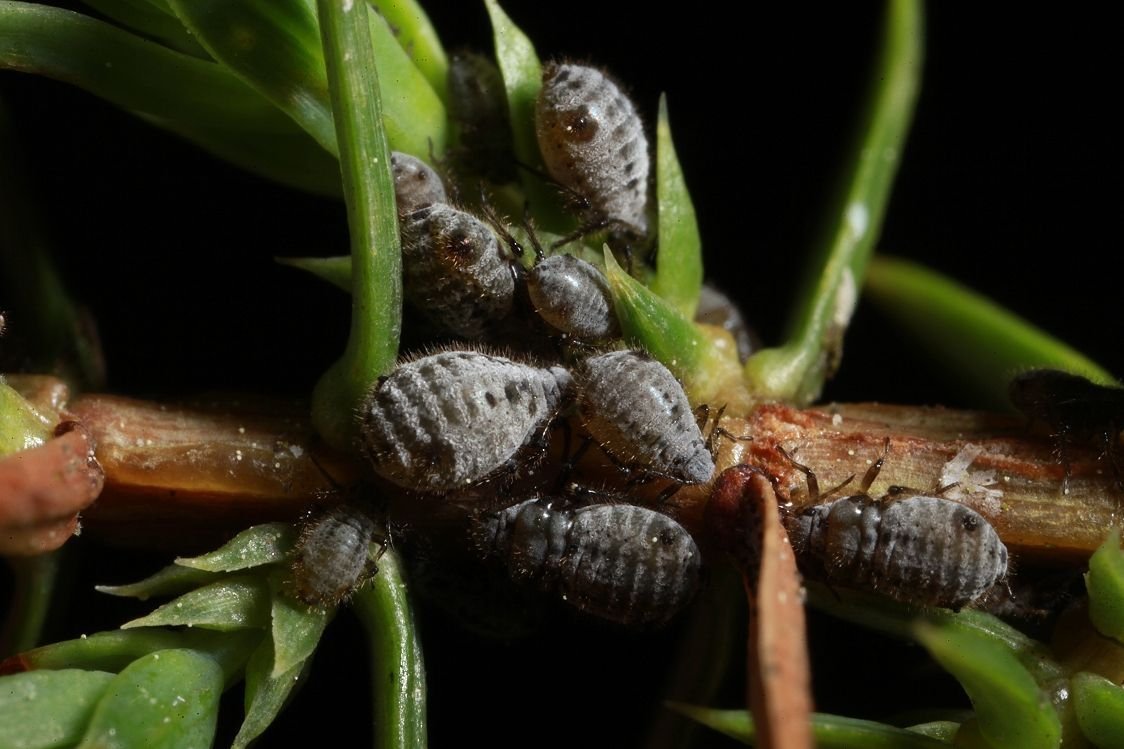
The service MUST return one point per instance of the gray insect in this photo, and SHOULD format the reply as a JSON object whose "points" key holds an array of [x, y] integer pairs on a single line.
{"points": [[620, 562], [716, 308], [637, 411], [593, 143], [454, 271], [452, 419], [573, 297], [917, 549], [478, 108], [332, 555], [416, 184]]}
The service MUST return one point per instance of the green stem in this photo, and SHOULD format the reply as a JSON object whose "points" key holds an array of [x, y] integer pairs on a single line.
{"points": [[34, 581], [376, 299], [796, 371], [397, 670]]}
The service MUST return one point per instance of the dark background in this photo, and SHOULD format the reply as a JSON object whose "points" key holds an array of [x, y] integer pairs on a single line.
{"points": [[1010, 181]]}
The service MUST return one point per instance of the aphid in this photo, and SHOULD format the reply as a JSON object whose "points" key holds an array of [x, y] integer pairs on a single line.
{"points": [[573, 297], [592, 141], [455, 418], [637, 411], [416, 184], [478, 107], [917, 549], [620, 562], [454, 271], [332, 556], [1074, 409], [715, 308]]}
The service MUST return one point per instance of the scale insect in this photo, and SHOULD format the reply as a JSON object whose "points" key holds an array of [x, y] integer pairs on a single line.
{"points": [[332, 556], [636, 410], [918, 549], [593, 143], [619, 562], [446, 421]]}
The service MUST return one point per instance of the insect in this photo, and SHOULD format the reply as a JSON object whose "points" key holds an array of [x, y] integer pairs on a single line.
{"points": [[478, 107], [416, 184], [637, 411], [620, 562], [923, 550], [592, 142], [715, 308], [454, 271], [332, 555], [1075, 409], [449, 420], [573, 297]]}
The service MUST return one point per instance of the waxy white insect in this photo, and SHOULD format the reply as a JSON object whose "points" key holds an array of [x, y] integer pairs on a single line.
{"points": [[619, 562], [592, 141], [449, 420], [636, 410]]}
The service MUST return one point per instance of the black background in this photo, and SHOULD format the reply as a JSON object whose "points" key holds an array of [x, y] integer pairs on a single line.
{"points": [[1010, 181]]}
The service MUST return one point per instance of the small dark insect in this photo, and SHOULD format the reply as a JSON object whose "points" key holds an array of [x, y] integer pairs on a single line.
{"points": [[916, 549], [452, 419], [573, 297], [715, 308], [416, 184], [332, 556], [454, 271], [592, 142], [619, 562], [636, 410], [1075, 410], [478, 108]]}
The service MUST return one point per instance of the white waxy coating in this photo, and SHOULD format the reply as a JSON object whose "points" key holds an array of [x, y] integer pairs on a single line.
{"points": [[573, 296], [592, 141], [453, 270], [920, 550], [416, 184], [455, 418], [332, 554], [620, 562], [637, 411]]}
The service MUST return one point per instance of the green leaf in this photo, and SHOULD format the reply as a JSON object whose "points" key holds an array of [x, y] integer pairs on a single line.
{"points": [[197, 99], [253, 547], [167, 699], [830, 731], [979, 342], [372, 218], [48, 708], [272, 45], [522, 78], [235, 603], [168, 581], [679, 267], [33, 586], [22, 427], [152, 20], [417, 37], [796, 371], [1012, 710], [1099, 705], [397, 668], [265, 693], [334, 270], [103, 651], [1105, 583], [296, 628]]}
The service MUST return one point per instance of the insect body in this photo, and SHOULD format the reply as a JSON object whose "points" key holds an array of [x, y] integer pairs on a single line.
{"points": [[636, 409], [478, 107], [332, 555], [592, 141], [572, 296], [620, 562], [452, 419], [921, 550], [454, 271], [416, 184]]}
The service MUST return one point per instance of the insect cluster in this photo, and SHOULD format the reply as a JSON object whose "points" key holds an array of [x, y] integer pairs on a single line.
{"points": [[467, 427]]}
